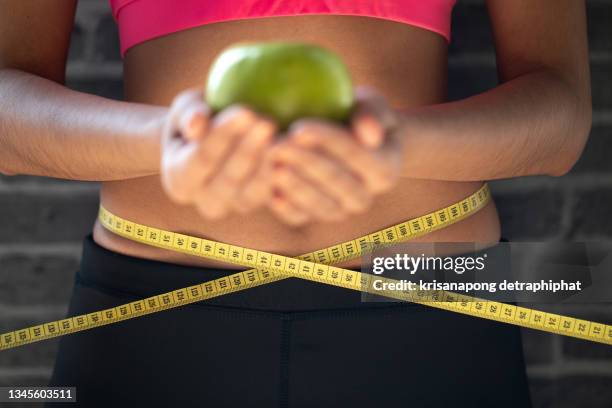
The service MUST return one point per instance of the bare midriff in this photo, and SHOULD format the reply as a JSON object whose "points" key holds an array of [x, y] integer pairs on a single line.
{"points": [[407, 64]]}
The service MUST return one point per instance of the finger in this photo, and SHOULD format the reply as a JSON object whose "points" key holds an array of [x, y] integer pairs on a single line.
{"points": [[373, 102], [209, 206], [182, 173], [242, 161], [256, 189], [193, 122], [188, 112], [226, 128], [187, 166], [306, 196], [249, 151], [287, 211], [340, 145], [216, 190], [373, 117], [366, 125], [186, 98], [337, 182]]}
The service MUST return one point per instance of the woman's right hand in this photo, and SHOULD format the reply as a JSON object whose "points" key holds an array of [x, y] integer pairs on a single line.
{"points": [[215, 163]]}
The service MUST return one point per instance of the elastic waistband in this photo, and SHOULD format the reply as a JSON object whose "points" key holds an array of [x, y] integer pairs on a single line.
{"points": [[140, 278]]}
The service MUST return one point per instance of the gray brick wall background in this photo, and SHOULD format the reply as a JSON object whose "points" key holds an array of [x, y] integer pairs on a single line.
{"points": [[42, 221]]}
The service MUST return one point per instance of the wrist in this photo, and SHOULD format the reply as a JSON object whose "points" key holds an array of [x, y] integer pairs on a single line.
{"points": [[149, 135], [410, 131]]}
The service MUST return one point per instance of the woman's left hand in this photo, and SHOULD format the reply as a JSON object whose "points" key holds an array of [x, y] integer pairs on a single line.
{"points": [[326, 172]]}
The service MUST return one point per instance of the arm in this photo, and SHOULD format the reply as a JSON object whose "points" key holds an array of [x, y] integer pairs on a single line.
{"points": [[49, 130], [46, 129], [535, 123]]}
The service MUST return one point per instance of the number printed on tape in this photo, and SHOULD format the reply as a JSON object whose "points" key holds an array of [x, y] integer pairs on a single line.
{"points": [[315, 266]]}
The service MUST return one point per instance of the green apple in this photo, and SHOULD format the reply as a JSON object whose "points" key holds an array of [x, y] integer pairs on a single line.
{"points": [[283, 80]]}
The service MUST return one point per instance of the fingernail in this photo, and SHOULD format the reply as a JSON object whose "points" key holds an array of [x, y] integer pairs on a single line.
{"points": [[303, 138], [196, 126], [262, 133], [371, 133]]}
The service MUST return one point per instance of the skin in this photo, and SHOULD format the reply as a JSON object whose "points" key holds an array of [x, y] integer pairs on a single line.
{"points": [[165, 161]]}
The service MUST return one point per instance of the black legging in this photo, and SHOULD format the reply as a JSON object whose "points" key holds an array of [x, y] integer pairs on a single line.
{"points": [[292, 343]]}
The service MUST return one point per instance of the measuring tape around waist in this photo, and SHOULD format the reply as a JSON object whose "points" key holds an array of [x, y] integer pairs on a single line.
{"points": [[315, 266]]}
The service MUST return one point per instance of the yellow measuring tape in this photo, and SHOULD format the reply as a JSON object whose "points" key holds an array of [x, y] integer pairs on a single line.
{"points": [[315, 266]]}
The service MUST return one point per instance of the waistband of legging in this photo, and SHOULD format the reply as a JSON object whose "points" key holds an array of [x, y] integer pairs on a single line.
{"points": [[140, 278]]}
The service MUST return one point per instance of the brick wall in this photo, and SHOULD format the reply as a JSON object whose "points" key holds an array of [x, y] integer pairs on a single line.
{"points": [[563, 372], [42, 221]]}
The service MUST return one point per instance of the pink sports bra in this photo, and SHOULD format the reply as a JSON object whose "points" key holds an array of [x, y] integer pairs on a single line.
{"points": [[142, 20]]}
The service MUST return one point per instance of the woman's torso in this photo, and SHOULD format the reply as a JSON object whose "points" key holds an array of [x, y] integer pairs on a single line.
{"points": [[407, 64]]}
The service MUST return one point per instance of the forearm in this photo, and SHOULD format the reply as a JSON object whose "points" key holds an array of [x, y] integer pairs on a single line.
{"points": [[536, 124], [49, 130]]}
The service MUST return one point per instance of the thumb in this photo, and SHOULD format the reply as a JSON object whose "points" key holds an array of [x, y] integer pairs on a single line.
{"points": [[193, 122], [372, 118]]}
